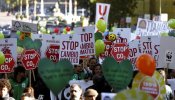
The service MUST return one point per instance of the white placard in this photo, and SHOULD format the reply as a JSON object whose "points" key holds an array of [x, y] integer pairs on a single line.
{"points": [[70, 47], [147, 27], [24, 26], [9, 46], [87, 44], [134, 52], [102, 11], [124, 33], [167, 52]]}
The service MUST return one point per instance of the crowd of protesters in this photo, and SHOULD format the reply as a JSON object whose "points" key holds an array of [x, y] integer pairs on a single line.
{"points": [[17, 87]]}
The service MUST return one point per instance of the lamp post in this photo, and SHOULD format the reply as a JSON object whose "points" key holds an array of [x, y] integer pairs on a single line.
{"points": [[20, 7], [65, 7], [160, 7]]}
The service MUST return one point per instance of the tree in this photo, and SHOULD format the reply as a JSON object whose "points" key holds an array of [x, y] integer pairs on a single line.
{"points": [[119, 8]]}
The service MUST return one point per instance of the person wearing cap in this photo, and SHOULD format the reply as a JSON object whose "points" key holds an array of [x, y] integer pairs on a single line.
{"points": [[90, 94]]}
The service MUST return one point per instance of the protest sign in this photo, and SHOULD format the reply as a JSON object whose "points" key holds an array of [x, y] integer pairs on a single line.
{"points": [[102, 12], [155, 85], [87, 40], [24, 26], [120, 51], [123, 33], [117, 74], [147, 27], [8, 46], [50, 47], [108, 96], [70, 48], [167, 54], [133, 52]]}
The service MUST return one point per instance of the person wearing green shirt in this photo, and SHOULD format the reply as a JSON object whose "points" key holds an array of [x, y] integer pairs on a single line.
{"points": [[19, 82]]}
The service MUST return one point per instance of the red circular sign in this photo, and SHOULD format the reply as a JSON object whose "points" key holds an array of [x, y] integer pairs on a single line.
{"points": [[30, 59], [52, 52], [8, 65], [120, 51]]}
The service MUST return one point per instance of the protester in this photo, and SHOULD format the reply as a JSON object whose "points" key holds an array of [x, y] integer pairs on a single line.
{"points": [[30, 91], [79, 73], [90, 94], [169, 93], [76, 92], [27, 96], [19, 82], [97, 70], [100, 85], [5, 87], [92, 61]]}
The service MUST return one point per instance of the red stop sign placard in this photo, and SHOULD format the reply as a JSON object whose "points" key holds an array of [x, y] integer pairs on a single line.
{"points": [[52, 52], [108, 48], [8, 65], [30, 59], [120, 51]]}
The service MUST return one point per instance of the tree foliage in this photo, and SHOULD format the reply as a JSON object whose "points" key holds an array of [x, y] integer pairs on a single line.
{"points": [[119, 8]]}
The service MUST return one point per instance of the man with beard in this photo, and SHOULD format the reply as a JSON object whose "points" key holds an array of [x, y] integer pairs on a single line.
{"points": [[19, 82]]}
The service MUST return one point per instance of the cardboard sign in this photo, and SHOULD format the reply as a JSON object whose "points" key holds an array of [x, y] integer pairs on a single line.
{"points": [[30, 59], [167, 52], [133, 52], [50, 47], [9, 46], [120, 51], [24, 26], [155, 85], [70, 48], [87, 40], [147, 27], [8, 65], [124, 33], [102, 11]]}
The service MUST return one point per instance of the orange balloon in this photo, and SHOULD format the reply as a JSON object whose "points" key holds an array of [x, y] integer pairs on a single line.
{"points": [[146, 64]]}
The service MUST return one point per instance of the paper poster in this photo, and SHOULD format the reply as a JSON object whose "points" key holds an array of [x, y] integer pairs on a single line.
{"points": [[24, 26], [8, 46], [87, 44], [147, 27], [108, 48], [102, 12], [133, 52], [155, 85], [124, 34], [50, 47], [172, 83], [167, 52], [70, 47]]}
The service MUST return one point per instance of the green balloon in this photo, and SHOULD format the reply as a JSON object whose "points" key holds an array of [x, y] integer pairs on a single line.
{"points": [[55, 75], [171, 23], [99, 47], [2, 57], [37, 44], [119, 75], [101, 25], [20, 50], [18, 32], [1, 36], [98, 35], [64, 31]]}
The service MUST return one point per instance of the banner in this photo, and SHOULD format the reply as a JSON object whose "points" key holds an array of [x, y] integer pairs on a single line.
{"points": [[102, 12]]}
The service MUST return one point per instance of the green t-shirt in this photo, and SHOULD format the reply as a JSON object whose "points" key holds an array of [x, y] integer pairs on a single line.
{"points": [[18, 88]]}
